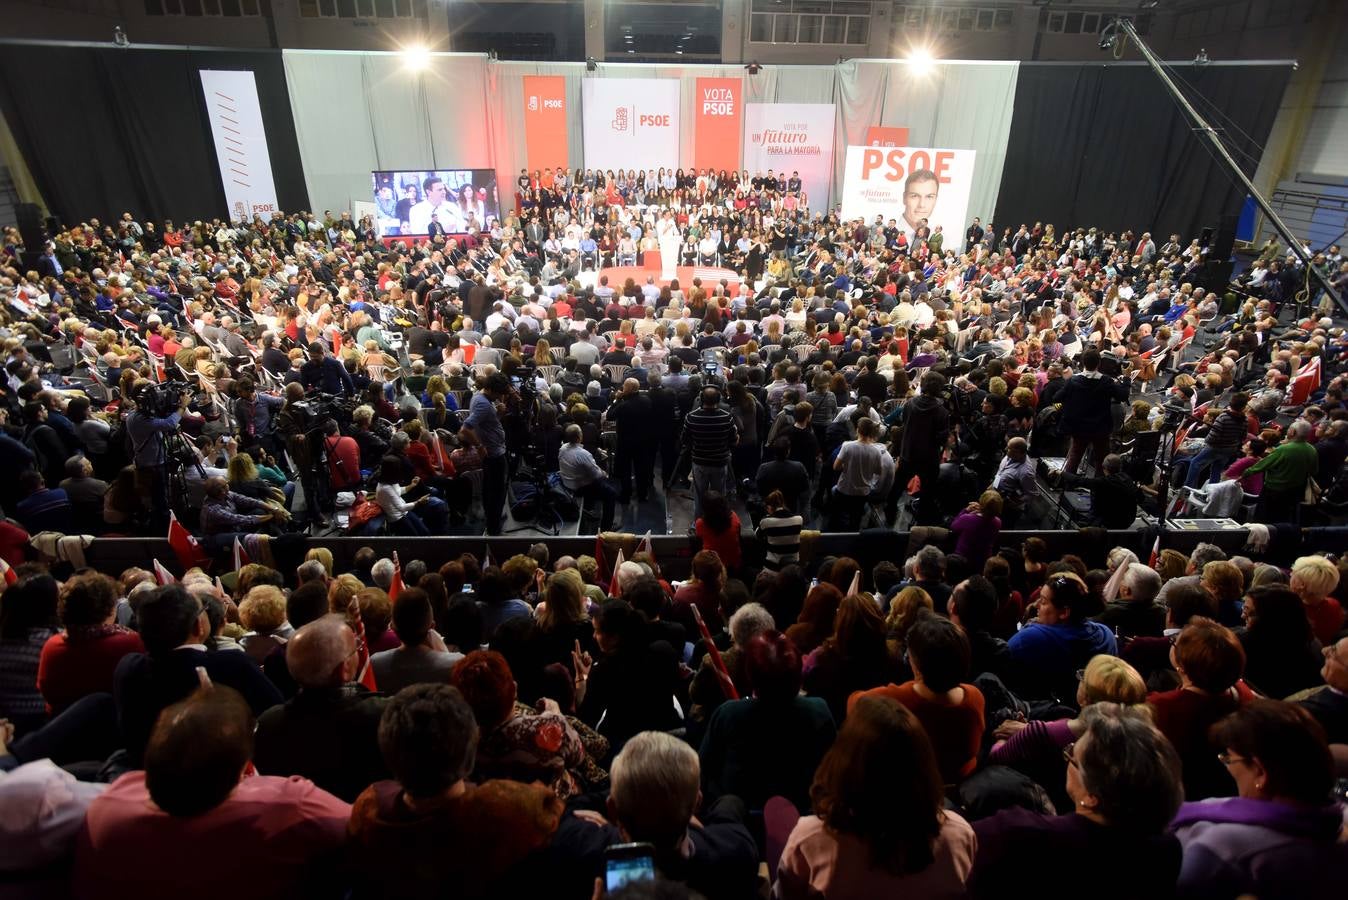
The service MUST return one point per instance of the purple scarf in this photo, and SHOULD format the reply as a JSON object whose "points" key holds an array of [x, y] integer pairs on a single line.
{"points": [[1321, 823]]}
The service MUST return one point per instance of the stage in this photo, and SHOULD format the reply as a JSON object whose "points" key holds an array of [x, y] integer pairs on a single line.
{"points": [[710, 275]]}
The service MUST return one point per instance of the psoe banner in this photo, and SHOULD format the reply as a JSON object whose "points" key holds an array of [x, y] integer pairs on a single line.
{"points": [[716, 123], [792, 137], [545, 121], [910, 184], [240, 143], [631, 123]]}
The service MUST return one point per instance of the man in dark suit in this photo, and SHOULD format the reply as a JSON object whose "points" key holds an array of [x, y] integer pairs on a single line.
{"points": [[174, 626]]}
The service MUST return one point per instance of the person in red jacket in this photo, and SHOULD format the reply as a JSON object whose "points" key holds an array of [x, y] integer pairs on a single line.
{"points": [[81, 659], [343, 459]]}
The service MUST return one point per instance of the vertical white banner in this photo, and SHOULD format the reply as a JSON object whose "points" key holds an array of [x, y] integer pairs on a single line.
{"points": [[792, 137], [631, 123], [909, 184], [240, 143]]}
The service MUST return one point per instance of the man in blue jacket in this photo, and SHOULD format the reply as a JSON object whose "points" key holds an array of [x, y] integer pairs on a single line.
{"points": [[1047, 652]]}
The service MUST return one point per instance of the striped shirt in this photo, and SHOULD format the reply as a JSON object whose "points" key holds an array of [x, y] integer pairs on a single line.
{"points": [[710, 434], [781, 536]]}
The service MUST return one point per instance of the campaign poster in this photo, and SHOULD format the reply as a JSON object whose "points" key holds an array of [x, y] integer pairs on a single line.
{"points": [[909, 184]]}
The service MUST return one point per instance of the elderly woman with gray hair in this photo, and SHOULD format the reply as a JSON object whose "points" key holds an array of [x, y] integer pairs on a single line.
{"points": [[706, 693], [1123, 778]]}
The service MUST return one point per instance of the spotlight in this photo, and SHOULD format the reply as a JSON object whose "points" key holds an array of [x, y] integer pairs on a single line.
{"points": [[753, 68], [591, 64], [920, 61], [1202, 58], [119, 37], [416, 57]]}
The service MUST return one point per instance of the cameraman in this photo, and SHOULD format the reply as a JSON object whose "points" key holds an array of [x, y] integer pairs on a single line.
{"points": [[325, 374], [292, 424], [926, 430], [145, 433]]}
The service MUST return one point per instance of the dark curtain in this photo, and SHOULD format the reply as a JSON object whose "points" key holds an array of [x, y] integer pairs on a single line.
{"points": [[107, 130], [1106, 146]]}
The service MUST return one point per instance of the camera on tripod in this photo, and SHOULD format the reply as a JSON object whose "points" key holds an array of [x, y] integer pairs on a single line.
{"points": [[161, 400], [318, 408]]}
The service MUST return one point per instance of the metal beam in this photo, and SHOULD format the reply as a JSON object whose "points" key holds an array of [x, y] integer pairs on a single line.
{"points": [[1208, 133]]}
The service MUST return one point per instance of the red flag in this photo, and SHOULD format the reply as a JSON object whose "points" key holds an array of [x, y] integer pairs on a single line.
{"points": [[240, 555], [1155, 552], [396, 586], [185, 547], [162, 575], [645, 545], [602, 568], [10, 575], [1304, 383], [717, 664], [364, 672], [614, 588]]}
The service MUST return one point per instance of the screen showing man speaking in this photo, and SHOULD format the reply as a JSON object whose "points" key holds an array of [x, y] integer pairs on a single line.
{"points": [[457, 201]]}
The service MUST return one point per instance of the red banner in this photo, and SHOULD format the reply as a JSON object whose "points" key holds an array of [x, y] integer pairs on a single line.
{"points": [[545, 121], [881, 136], [716, 123]]}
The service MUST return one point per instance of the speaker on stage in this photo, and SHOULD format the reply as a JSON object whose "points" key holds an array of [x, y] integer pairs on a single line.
{"points": [[32, 230]]}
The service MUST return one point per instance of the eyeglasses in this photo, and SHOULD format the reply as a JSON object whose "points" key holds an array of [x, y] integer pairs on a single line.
{"points": [[1069, 755], [1227, 759]]}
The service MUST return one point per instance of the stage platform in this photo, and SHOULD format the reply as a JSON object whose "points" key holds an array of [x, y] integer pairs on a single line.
{"points": [[710, 275]]}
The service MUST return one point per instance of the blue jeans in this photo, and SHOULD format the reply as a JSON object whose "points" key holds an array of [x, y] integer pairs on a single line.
{"points": [[411, 525], [706, 478], [1218, 460]]}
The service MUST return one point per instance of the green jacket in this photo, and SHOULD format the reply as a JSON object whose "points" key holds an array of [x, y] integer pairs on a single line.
{"points": [[1288, 467]]}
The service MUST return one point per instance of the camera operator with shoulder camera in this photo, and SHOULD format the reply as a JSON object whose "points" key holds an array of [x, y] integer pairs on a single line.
{"points": [[146, 429], [294, 425]]}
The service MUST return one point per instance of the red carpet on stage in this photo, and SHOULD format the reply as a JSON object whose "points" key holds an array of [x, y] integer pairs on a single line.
{"points": [[710, 275]]}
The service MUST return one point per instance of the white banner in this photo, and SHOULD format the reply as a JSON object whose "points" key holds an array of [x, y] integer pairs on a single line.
{"points": [[909, 184], [240, 143], [792, 138], [631, 123]]}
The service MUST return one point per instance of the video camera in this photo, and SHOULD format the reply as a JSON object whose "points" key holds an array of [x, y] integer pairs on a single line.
{"points": [[161, 400], [318, 408]]}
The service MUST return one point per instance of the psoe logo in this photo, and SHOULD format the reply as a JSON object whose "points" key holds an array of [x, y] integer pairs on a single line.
{"points": [[533, 103], [554, 103], [619, 119]]}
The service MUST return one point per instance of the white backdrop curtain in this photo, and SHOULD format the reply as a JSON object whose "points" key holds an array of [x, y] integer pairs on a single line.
{"points": [[360, 111]]}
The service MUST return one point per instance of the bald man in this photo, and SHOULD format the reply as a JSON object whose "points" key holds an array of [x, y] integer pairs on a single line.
{"points": [[634, 420], [329, 732]]}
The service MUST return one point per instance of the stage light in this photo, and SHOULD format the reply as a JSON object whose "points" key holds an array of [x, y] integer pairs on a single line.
{"points": [[416, 57], [753, 68], [920, 61], [591, 64], [1202, 58], [119, 37]]}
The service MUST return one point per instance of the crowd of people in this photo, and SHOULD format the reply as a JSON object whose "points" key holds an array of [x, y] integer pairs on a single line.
{"points": [[484, 729], [512, 729], [223, 370]]}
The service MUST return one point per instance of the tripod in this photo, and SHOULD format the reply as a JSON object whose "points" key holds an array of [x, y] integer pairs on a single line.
{"points": [[177, 448], [545, 510]]}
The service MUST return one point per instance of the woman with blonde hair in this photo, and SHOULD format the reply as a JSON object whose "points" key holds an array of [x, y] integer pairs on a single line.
{"points": [[1313, 578], [543, 353], [1036, 747], [904, 610]]}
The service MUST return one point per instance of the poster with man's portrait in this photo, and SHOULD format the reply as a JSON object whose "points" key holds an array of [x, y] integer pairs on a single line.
{"points": [[910, 185]]}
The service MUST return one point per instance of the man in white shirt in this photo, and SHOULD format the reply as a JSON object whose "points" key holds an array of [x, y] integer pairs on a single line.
{"points": [[865, 471], [437, 193]]}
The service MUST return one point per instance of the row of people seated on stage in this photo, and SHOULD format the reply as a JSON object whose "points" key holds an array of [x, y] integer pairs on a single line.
{"points": [[697, 183]]}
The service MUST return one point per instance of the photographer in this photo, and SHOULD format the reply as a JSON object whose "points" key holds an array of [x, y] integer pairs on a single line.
{"points": [[325, 374], [254, 413], [146, 429], [926, 429]]}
